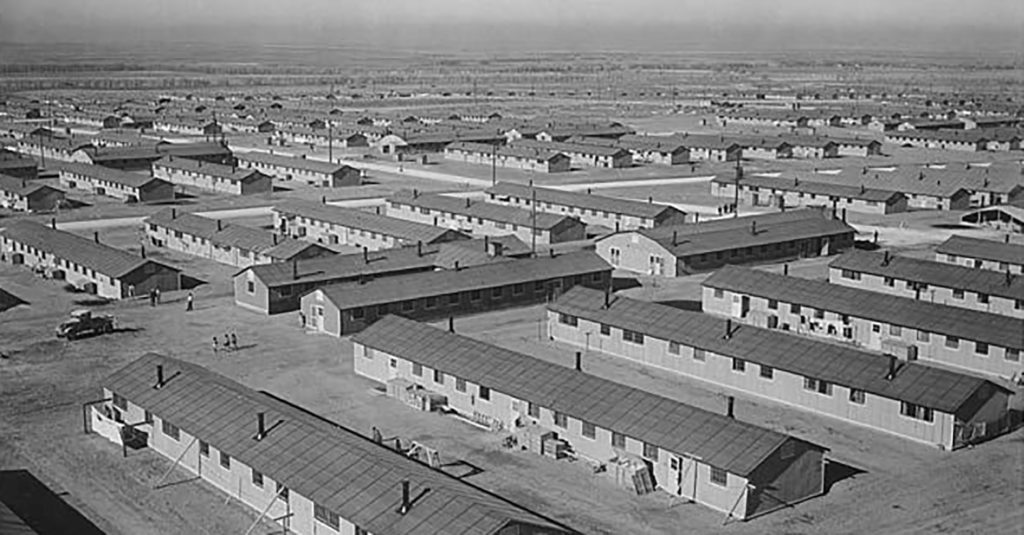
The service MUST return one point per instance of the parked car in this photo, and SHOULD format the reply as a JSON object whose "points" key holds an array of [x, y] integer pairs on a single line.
{"points": [[83, 322]]}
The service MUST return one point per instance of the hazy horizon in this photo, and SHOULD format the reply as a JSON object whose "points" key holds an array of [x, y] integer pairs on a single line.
{"points": [[526, 26]]}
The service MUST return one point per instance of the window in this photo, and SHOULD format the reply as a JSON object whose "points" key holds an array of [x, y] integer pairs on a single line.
{"points": [[566, 319], [817, 385], [430, 302], [453, 299], [250, 287], [923, 336], [484, 393], [856, 396], [606, 330], [225, 460], [1012, 354], [417, 369], [633, 336], [474, 295], [916, 412], [120, 402], [368, 353], [326, 516], [981, 348], [983, 299], [618, 440], [589, 430], [719, 477], [460, 384], [890, 282], [819, 314], [393, 363], [699, 354], [673, 347], [895, 330], [518, 289], [773, 322], [767, 371], [650, 451], [849, 274], [794, 308], [773, 304], [958, 294], [561, 420], [876, 328], [408, 305], [533, 410], [719, 293], [257, 479], [439, 377], [739, 365], [170, 430], [952, 342], [204, 448], [147, 417]]}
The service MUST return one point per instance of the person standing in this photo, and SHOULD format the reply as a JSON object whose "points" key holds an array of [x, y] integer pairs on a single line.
{"points": [[234, 341], [189, 305], [215, 345], [227, 341], [156, 293]]}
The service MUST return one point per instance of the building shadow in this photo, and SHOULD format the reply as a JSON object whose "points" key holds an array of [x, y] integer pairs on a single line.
{"points": [[682, 304], [836, 471]]}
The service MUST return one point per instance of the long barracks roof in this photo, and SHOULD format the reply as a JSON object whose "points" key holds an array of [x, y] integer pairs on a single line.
{"points": [[221, 233], [99, 172], [929, 386], [479, 209], [982, 281], [102, 258], [1010, 253], [481, 277], [706, 141], [816, 188], [1002, 331], [505, 151], [580, 200], [336, 467], [738, 232], [22, 187], [718, 440], [363, 220], [291, 162], [557, 146], [155, 151], [234, 174], [388, 261]]}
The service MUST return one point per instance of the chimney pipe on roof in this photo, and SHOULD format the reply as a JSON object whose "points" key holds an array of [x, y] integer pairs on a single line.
{"points": [[261, 425], [323, 199], [885, 259], [456, 265], [174, 213], [650, 200], [675, 236], [295, 269], [730, 407], [377, 210], [589, 191], [53, 223], [844, 215], [415, 193], [406, 503], [451, 324], [142, 251], [785, 269], [1006, 239], [96, 236], [753, 227], [607, 296], [220, 226], [159, 376], [728, 330], [1009, 278], [274, 238], [419, 248], [892, 368], [467, 202], [366, 254], [579, 361]]}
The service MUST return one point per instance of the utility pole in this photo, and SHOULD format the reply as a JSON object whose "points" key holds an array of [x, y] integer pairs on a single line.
{"points": [[330, 142], [533, 223], [494, 165], [736, 190]]}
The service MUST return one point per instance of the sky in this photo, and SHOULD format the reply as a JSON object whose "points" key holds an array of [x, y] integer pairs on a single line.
{"points": [[993, 23]]}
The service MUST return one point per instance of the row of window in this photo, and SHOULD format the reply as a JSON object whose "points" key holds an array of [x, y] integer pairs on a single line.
{"points": [[469, 219], [952, 342], [565, 209], [765, 371], [482, 392]]}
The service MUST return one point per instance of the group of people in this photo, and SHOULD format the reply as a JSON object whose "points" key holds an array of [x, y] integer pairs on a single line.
{"points": [[154, 297], [727, 209], [230, 343]]}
